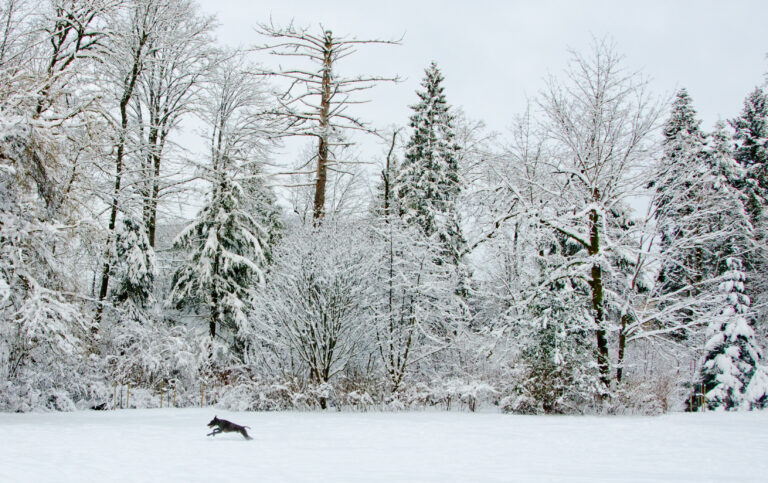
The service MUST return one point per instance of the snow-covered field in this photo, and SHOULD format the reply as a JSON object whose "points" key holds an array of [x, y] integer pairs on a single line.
{"points": [[171, 445]]}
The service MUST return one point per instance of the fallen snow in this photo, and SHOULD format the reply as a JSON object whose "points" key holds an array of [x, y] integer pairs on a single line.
{"points": [[171, 445]]}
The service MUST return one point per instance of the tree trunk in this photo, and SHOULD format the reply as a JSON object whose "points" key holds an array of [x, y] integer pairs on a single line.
{"points": [[130, 83], [596, 284], [622, 345], [151, 172], [322, 148]]}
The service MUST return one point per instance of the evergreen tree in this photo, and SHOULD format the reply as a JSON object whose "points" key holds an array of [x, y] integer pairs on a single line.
{"points": [[732, 357], [428, 181], [228, 243], [738, 235], [260, 201], [751, 135], [557, 362], [134, 265], [226, 259], [751, 154], [679, 191], [701, 219]]}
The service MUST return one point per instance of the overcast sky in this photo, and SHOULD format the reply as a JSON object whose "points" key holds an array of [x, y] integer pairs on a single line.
{"points": [[495, 54]]}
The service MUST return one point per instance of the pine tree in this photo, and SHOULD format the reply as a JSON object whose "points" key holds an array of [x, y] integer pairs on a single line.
{"points": [[679, 191], [751, 154], [228, 242], [732, 357], [134, 266], [226, 259], [751, 135], [428, 182]]}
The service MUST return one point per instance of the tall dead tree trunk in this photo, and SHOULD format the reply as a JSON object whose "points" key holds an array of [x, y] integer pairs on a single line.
{"points": [[322, 148], [320, 109]]}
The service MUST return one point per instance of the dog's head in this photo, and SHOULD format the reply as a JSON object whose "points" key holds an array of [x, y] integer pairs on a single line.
{"points": [[214, 422]]}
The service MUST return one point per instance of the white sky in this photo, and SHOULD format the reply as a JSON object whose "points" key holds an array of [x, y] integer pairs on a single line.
{"points": [[494, 54]]}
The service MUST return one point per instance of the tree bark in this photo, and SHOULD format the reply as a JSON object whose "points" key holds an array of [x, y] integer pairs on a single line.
{"points": [[622, 345], [603, 360], [322, 148]]}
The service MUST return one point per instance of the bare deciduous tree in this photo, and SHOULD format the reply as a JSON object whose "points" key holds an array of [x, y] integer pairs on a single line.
{"points": [[317, 100], [142, 23], [175, 65]]}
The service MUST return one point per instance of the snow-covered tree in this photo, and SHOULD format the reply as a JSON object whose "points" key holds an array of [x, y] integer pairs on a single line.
{"points": [[313, 315], [751, 135], [317, 101], [751, 154], [137, 27], [599, 124], [167, 89], [135, 267], [732, 357], [557, 372], [428, 181], [679, 192], [48, 50], [700, 216], [227, 244], [416, 311]]}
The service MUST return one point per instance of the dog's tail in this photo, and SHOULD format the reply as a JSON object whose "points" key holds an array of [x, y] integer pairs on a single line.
{"points": [[248, 427]]}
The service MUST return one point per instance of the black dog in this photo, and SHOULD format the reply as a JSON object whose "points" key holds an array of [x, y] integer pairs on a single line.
{"points": [[224, 426]]}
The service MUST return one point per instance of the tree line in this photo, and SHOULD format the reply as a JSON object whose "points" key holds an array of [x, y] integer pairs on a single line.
{"points": [[605, 254]]}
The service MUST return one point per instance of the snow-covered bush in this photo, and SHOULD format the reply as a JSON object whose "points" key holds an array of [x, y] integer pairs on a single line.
{"points": [[151, 354], [313, 314]]}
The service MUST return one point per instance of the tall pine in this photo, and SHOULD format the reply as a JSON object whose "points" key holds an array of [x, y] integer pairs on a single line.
{"points": [[751, 154], [428, 182], [751, 135], [731, 375], [679, 192]]}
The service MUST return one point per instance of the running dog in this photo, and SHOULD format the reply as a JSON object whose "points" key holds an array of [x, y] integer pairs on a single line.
{"points": [[224, 426]]}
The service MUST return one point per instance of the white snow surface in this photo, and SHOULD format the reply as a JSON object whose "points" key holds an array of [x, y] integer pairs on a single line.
{"points": [[171, 445]]}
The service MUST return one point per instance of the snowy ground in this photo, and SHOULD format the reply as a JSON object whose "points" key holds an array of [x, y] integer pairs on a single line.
{"points": [[171, 445]]}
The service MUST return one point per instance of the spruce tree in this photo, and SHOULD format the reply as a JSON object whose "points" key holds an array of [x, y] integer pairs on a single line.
{"points": [[732, 356], [751, 135], [751, 154], [228, 242], [679, 191], [428, 181], [700, 214], [134, 265], [226, 258], [732, 219]]}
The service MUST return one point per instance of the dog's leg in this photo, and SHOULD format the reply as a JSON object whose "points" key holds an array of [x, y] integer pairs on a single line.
{"points": [[214, 432], [245, 433]]}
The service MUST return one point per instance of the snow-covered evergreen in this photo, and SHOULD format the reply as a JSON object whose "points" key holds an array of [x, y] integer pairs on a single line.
{"points": [[228, 243], [751, 135], [134, 265], [679, 191], [428, 182], [733, 358]]}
